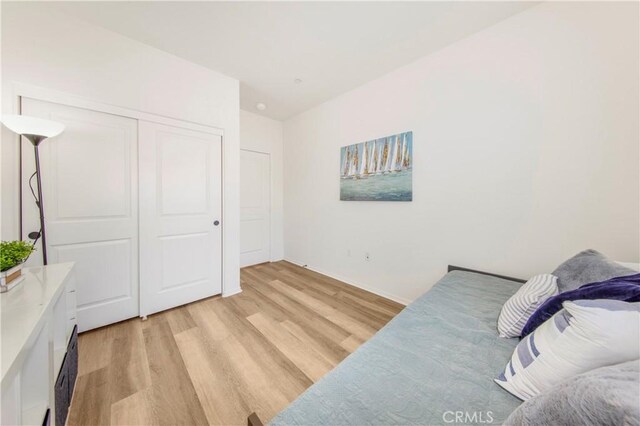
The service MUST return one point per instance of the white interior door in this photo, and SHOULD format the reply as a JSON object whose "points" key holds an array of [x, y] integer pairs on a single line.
{"points": [[90, 194], [180, 216], [255, 209]]}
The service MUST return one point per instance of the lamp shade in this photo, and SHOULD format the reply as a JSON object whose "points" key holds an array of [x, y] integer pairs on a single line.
{"points": [[24, 125]]}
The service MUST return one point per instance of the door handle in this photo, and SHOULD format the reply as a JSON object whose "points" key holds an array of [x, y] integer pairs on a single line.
{"points": [[216, 222]]}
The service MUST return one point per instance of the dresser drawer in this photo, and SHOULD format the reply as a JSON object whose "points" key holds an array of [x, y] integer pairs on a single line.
{"points": [[62, 393], [72, 356]]}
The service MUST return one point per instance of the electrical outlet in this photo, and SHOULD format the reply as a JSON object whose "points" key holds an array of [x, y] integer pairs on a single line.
{"points": [[367, 257]]}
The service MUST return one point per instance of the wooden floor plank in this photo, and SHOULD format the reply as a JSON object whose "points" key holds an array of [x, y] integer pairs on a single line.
{"points": [[339, 286], [92, 400], [289, 277], [312, 363], [281, 371], [366, 309], [208, 322], [351, 343], [179, 319], [300, 313], [330, 351], [173, 396], [382, 310], [218, 393], [342, 319], [94, 350], [129, 367], [136, 409], [217, 360]]}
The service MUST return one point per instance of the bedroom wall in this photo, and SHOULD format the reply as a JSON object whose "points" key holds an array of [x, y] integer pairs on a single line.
{"points": [[262, 134], [44, 48], [526, 151]]}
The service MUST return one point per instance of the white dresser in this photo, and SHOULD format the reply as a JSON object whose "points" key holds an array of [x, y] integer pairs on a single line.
{"points": [[39, 346]]}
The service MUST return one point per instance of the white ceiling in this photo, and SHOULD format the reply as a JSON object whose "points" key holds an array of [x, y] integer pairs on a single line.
{"points": [[331, 46]]}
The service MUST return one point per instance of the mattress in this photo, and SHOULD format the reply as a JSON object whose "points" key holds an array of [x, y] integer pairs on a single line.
{"points": [[434, 363]]}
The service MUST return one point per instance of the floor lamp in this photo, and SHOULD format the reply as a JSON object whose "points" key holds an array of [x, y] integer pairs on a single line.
{"points": [[35, 130]]}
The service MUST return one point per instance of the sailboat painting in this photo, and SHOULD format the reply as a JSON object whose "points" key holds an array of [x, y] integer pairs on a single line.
{"points": [[377, 170]]}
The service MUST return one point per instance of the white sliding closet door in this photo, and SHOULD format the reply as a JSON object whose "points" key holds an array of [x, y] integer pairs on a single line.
{"points": [[180, 216], [90, 185]]}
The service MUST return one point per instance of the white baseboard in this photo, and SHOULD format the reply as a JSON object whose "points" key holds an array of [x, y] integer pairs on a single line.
{"points": [[232, 292], [373, 290]]}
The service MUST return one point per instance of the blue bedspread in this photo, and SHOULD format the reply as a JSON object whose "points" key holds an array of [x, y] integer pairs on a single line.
{"points": [[435, 359]]}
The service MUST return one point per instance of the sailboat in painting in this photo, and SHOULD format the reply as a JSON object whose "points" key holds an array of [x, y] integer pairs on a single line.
{"points": [[378, 169]]}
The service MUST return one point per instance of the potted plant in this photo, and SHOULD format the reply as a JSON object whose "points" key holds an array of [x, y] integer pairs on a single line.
{"points": [[12, 256]]}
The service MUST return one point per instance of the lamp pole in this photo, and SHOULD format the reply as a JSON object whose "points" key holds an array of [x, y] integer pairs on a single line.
{"points": [[35, 140], [35, 130]]}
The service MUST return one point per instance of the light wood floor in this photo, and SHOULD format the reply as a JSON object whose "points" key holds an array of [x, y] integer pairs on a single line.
{"points": [[217, 360]]}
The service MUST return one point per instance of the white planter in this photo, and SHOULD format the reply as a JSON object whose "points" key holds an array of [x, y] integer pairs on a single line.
{"points": [[11, 278]]}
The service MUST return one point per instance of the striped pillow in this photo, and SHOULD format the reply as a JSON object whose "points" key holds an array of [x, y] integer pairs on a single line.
{"points": [[586, 334], [517, 310]]}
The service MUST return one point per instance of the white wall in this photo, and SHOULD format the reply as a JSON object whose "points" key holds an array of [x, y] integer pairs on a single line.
{"points": [[525, 152], [53, 51], [261, 134]]}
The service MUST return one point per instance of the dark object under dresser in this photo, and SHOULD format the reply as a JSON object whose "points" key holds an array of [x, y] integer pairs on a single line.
{"points": [[67, 379]]}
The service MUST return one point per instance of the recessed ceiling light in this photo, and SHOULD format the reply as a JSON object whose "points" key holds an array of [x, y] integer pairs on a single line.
{"points": [[261, 106], [297, 81]]}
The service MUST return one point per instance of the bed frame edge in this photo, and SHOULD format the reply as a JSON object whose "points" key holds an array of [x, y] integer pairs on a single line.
{"points": [[504, 277], [254, 420]]}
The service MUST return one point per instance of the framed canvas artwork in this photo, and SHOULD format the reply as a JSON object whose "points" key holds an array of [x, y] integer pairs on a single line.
{"points": [[377, 170]]}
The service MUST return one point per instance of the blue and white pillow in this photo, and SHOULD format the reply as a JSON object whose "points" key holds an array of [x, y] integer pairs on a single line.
{"points": [[584, 335], [517, 310]]}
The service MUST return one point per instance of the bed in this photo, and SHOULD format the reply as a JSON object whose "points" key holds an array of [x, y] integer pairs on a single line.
{"points": [[434, 363]]}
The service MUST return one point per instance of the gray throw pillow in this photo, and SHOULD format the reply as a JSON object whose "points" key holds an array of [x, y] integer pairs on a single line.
{"points": [[586, 267], [604, 396]]}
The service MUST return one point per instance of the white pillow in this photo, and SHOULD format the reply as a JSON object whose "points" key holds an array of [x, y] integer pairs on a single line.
{"points": [[630, 265], [586, 334], [517, 310]]}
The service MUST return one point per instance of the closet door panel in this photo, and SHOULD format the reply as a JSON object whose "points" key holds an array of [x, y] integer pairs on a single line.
{"points": [[90, 194], [91, 266], [91, 172], [255, 208], [180, 216]]}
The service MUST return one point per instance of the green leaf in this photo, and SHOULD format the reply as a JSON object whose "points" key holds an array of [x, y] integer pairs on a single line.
{"points": [[13, 253]]}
